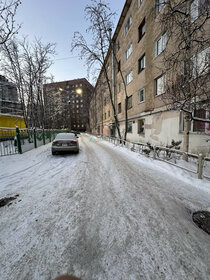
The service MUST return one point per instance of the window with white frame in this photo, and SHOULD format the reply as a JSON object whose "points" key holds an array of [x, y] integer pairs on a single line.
{"points": [[201, 63], [141, 30], [129, 104], [128, 51], [194, 10], [197, 126], [197, 7], [159, 5], [160, 44], [127, 25], [139, 3], [129, 127], [129, 77], [141, 95], [141, 126], [141, 63], [160, 85], [118, 87]]}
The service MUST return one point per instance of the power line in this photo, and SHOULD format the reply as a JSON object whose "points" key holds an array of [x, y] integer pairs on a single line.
{"points": [[65, 58]]}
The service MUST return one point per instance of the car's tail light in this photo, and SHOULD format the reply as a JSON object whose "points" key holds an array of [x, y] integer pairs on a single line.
{"points": [[56, 143], [74, 142]]}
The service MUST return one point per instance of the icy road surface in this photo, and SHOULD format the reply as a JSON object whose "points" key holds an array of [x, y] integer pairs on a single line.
{"points": [[105, 213]]}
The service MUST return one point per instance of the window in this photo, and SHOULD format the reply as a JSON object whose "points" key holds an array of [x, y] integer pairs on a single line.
{"points": [[160, 44], [140, 126], [160, 85], [108, 114], [141, 95], [127, 25], [139, 3], [129, 104], [119, 108], [194, 10], [118, 45], [201, 63], [118, 66], [141, 29], [129, 77], [197, 8], [199, 126], [159, 5], [105, 101], [129, 127], [118, 87], [141, 63], [128, 51], [104, 115], [67, 86]]}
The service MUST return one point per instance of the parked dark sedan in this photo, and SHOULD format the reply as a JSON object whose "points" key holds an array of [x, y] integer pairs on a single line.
{"points": [[65, 142]]}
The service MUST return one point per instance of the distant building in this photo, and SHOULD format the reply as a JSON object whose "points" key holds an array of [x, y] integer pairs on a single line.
{"points": [[67, 104], [9, 103]]}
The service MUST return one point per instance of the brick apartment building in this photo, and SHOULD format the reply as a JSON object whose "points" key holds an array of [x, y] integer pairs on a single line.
{"points": [[67, 104], [139, 44]]}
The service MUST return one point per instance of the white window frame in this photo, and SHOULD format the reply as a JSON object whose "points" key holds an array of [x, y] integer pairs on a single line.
{"points": [[118, 87], [200, 62], [141, 132], [139, 3], [127, 25], [160, 44], [142, 63], [141, 92], [159, 5], [194, 11], [128, 51], [129, 77], [129, 126], [160, 83]]}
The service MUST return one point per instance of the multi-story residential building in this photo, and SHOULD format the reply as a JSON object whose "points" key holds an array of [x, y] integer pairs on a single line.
{"points": [[139, 42], [67, 104], [9, 103]]}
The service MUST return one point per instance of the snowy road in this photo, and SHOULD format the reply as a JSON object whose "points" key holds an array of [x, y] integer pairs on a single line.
{"points": [[105, 213]]}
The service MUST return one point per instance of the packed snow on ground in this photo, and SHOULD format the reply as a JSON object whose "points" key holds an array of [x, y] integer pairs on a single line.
{"points": [[106, 213]]}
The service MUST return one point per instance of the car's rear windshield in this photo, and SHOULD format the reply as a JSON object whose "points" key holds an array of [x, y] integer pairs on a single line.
{"points": [[65, 136]]}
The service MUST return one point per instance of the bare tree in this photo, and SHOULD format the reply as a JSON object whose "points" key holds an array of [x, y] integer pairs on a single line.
{"points": [[100, 17], [186, 58], [7, 19], [26, 65]]}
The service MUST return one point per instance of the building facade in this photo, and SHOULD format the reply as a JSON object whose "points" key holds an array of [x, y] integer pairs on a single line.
{"points": [[140, 42], [9, 103], [67, 104]]}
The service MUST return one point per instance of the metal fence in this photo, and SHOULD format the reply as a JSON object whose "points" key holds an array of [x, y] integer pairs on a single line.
{"points": [[15, 140], [197, 164]]}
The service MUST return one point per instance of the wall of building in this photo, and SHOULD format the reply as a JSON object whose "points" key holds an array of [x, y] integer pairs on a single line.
{"points": [[12, 121], [160, 128]]}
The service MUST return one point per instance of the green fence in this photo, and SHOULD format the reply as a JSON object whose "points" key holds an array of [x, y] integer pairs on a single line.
{"points": [[13, 141]]}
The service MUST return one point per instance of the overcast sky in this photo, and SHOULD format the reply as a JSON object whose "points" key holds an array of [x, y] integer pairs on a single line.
{"points": [[56, 21]]}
